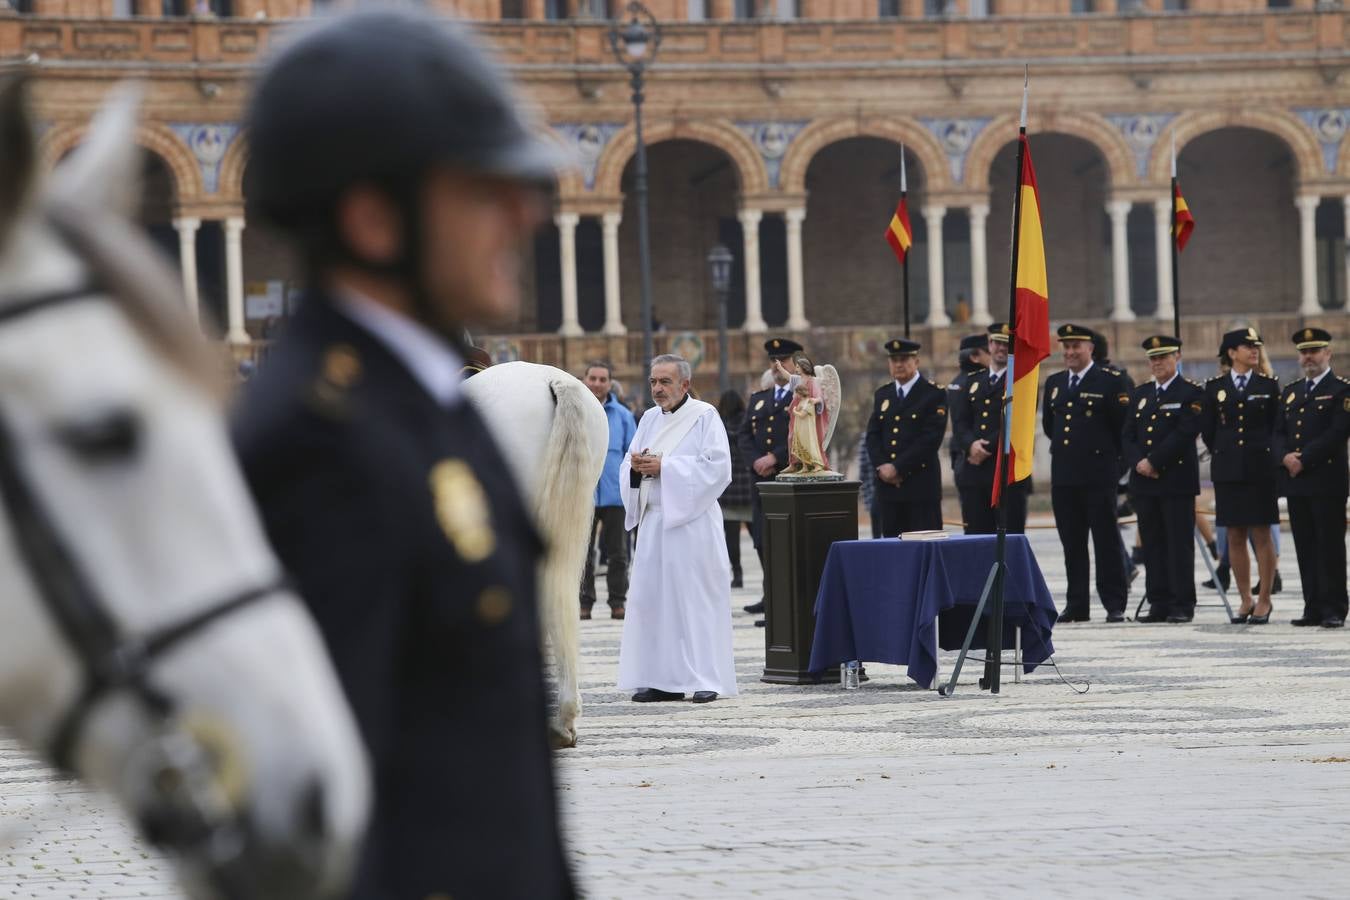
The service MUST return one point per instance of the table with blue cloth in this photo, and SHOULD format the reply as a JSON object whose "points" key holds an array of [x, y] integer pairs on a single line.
{"points": [[895, 601]]}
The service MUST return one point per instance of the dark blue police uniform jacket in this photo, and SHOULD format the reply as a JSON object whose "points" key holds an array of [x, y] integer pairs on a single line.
{"points": [[1164, 432], [907, 433], [407, 539], [1084, 426], [1317, 426]]}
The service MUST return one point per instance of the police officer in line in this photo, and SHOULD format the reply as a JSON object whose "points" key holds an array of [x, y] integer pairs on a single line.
{"points": [[1310, 436], [977, 420], [388, 149], [971, 356], [1083, 412], [904, 435], [1159, 447], [763, 437], [1238, 427]]}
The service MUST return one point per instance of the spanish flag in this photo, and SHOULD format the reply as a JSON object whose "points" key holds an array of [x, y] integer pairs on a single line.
{"points": [[1185, 223], [1031, 331], [899, 235]]}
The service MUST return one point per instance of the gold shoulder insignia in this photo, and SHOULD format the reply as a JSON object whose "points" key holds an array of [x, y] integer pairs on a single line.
{"points": [[1124, 399], [1196, 406], [942, 410]]}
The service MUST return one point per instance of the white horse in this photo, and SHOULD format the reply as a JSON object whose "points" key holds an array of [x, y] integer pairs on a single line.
{"points": [[554, 435], [147, 642]]}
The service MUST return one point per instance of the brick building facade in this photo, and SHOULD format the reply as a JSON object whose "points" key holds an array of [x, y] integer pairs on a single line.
{"points": [[775, 128]]}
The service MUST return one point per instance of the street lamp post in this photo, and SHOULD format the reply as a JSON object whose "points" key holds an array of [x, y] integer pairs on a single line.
{"points": [[635, 45], [719, 266]]}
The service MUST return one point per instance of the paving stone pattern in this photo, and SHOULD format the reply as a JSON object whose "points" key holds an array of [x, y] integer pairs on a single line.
{"points": [[1204, 760]]}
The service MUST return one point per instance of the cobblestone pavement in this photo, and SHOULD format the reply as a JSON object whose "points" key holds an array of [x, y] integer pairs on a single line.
{"points": [[1204, 760]]}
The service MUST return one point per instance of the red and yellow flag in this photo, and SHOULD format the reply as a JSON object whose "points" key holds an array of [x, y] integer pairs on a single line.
{"points": [[1031, 333], [1185, 221], [898, 234]]}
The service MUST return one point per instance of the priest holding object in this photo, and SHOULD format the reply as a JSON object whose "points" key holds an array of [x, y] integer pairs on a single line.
{"points": [[677, 633]]}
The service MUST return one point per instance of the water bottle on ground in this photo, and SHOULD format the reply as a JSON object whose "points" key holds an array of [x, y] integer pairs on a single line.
{"points": [[848, 675]]}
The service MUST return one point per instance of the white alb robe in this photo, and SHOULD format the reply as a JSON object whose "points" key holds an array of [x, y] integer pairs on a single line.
{"points": [[677, 630]]}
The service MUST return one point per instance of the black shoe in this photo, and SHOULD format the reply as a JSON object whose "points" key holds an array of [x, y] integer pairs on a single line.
{"points": [[1153, 617], [755, 607], [1333, 622], [759, 623], [1222, 573], [1071, 616], [1112, 618], [652, 695], [1180, 619], [1277, 585], [1254, 619], [704, 696], [1305, 622], [1242, 619]]}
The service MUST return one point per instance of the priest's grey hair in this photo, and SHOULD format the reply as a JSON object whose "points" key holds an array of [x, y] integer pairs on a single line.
{"points": [[679, 362]]}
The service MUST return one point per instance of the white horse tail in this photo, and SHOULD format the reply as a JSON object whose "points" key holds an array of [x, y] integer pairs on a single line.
{"points": [[573, 461]]}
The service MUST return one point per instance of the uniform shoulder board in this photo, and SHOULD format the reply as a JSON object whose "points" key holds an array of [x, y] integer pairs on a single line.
{"points": [[1216, 378], [953, 386], [1111, 371], [1193, 383]]}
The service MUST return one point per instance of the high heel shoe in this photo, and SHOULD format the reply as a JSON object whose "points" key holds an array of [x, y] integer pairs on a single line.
{"points": [[1254, 619], [1241, 620]]}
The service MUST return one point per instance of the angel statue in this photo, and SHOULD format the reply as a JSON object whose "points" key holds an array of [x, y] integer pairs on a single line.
{"points": [[811, 417]]}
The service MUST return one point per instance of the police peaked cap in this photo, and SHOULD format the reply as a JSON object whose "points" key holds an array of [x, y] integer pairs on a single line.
{"points": [[1311, 339], [975, 341], [1237, 338], [902, 347], [782, 348], [1000, 331], [1069, 332], [1161, 345]]}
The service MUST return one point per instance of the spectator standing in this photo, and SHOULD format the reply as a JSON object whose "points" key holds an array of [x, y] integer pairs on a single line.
{"points": [[608, 516], [735, 500]]}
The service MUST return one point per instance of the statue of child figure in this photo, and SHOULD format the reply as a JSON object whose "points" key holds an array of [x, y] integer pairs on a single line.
{"points": [[807, 423]]}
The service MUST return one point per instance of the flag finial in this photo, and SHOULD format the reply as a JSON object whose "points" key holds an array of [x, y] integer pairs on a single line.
{"points": [[1174, 153], [904, 182], [1026, 82]]}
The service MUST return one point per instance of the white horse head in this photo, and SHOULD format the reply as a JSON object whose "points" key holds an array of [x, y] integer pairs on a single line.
{"points": [[146, 642]]}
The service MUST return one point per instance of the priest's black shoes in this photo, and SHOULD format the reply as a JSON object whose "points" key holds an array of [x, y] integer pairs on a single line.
{"points": [[652, 695], [704, 696]]}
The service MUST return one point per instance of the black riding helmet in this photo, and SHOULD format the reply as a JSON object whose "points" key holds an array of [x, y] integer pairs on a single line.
{"points": [[380, 97]]}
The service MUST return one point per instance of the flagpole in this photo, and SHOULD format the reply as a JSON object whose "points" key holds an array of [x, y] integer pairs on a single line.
{"points": [[1176, 273], [993, 654], [904, 191]]}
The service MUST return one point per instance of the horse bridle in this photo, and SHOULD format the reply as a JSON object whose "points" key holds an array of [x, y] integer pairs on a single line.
{"points": [[112, 661]]}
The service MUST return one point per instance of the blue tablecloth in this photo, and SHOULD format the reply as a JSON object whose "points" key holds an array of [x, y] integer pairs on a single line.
{"points": [[880, 600]]}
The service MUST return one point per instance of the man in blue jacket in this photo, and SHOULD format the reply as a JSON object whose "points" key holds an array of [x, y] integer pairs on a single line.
{"points": [[608, 500]]}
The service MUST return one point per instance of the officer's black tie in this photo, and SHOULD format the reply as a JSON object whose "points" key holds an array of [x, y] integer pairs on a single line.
{"points": [[778, 394], [1311, 384], [1241, 383], [1160, 392], [1073, 381]]}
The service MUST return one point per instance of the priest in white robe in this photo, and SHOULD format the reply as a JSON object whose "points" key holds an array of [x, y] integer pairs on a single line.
{"points": [[677, 631]]}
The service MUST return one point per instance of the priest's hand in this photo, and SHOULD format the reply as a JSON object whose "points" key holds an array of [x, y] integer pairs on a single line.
{"points": [[764, 465], [1293, 463], [889, 474], [1145, 468], [978, 452], [649, 466]]}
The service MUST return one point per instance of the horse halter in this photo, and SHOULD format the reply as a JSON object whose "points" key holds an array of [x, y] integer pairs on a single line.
{"points": [[111, 660]]}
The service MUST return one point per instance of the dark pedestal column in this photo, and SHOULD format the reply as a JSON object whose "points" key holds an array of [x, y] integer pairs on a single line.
{"points": [[801, 521]]}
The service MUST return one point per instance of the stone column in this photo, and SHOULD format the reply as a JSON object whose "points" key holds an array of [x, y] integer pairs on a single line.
{"points": [[609, 224], [979, 265], [567, 251], [754, 315], [187, 226], [1119, 210], [1162, 240], [1307, 245], [234, 279], [796, 299], [937, 300]]}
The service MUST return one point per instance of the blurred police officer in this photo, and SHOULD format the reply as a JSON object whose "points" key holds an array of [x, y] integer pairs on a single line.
{"points": [[1083, 413], [1159, 446], [764, 435], [1310, 434], [388, 149], [904, 435], [971, 356], [1238, 427], [977, 422]]}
